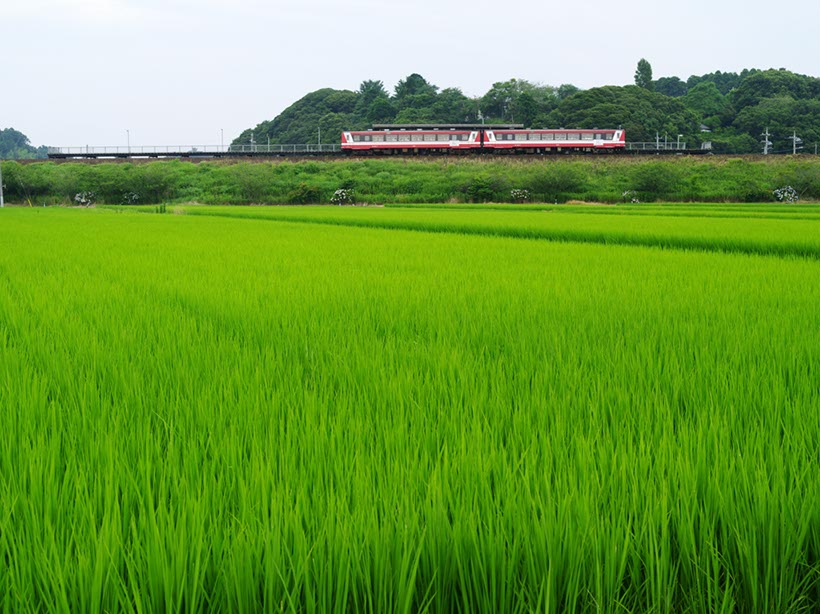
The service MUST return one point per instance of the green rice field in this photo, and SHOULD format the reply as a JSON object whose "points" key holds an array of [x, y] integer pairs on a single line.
{"points": [[443, 409]]}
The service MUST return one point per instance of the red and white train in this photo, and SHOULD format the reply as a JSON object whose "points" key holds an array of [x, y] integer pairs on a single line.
{"points": [[474, 138]]}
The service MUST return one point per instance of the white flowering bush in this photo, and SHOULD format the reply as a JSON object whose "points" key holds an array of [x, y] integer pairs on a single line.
{"points": [[85, 199], [342, 197], [630, 196], [130, 198], [786, 194], [520, 195]]}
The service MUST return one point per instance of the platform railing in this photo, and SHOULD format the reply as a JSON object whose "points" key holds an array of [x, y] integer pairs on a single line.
{"points": [[192, 150], [656, 146]]}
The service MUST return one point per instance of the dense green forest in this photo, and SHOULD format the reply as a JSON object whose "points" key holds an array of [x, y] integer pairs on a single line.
{"points": [[729, 110]]}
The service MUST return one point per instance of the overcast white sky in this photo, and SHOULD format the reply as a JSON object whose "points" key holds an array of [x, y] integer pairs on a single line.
{"points": [[82, 72]]}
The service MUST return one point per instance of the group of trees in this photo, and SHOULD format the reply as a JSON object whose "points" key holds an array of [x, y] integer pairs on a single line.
{"points": [[15, 145], [325, 113], [737, 108], [731, 110]]}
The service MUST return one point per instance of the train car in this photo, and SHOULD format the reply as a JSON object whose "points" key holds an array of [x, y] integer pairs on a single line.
{"points": [[411, 140], [554, 141], [478, 138]]}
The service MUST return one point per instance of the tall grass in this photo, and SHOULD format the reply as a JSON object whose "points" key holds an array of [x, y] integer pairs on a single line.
{"points": [[210, 414]]}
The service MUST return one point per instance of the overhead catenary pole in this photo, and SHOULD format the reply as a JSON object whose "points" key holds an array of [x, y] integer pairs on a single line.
{"points": [[2, 202], [795, 140]]}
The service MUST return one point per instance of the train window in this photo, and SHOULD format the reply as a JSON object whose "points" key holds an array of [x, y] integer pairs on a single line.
{"points": [[391, 138], [404, 138], [416, 137], [520, 136], [587, 136], [378, 138], [559, 136], [607, 136], [367, 137], [429, 137], [536, 136]]}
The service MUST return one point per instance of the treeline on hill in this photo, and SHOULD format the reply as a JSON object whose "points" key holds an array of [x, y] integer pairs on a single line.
{"points": [[439, 180], [15, 145], [729, 110]]}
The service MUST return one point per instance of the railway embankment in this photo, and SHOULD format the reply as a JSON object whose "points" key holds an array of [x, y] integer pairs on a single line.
{"points": [[412, 180]]}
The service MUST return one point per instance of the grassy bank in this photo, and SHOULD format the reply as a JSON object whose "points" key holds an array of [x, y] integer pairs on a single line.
{"points": [[550, 180]]}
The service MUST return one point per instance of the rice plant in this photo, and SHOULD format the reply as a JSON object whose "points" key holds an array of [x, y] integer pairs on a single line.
{"points": [[206, 414]]}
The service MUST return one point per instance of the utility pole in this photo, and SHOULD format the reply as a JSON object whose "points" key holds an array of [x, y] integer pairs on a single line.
{"points": [[766, 141], [795, 140], [222, 139], [2, 202], [128, 136]]}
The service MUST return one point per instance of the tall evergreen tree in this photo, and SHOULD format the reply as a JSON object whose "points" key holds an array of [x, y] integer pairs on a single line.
{"points": [[643, 75]]}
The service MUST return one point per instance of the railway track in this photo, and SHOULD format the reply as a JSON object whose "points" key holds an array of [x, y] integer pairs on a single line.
{"points": [[327, 152]]}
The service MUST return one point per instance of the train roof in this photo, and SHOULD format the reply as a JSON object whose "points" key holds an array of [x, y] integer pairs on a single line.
{"points": [[447, 126]]}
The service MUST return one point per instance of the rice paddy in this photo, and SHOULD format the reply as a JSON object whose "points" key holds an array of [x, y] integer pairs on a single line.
{"points": [[401, 410]]}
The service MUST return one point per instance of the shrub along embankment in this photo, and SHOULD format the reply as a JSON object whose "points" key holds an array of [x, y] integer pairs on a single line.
{"points": [[551, 180]]}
